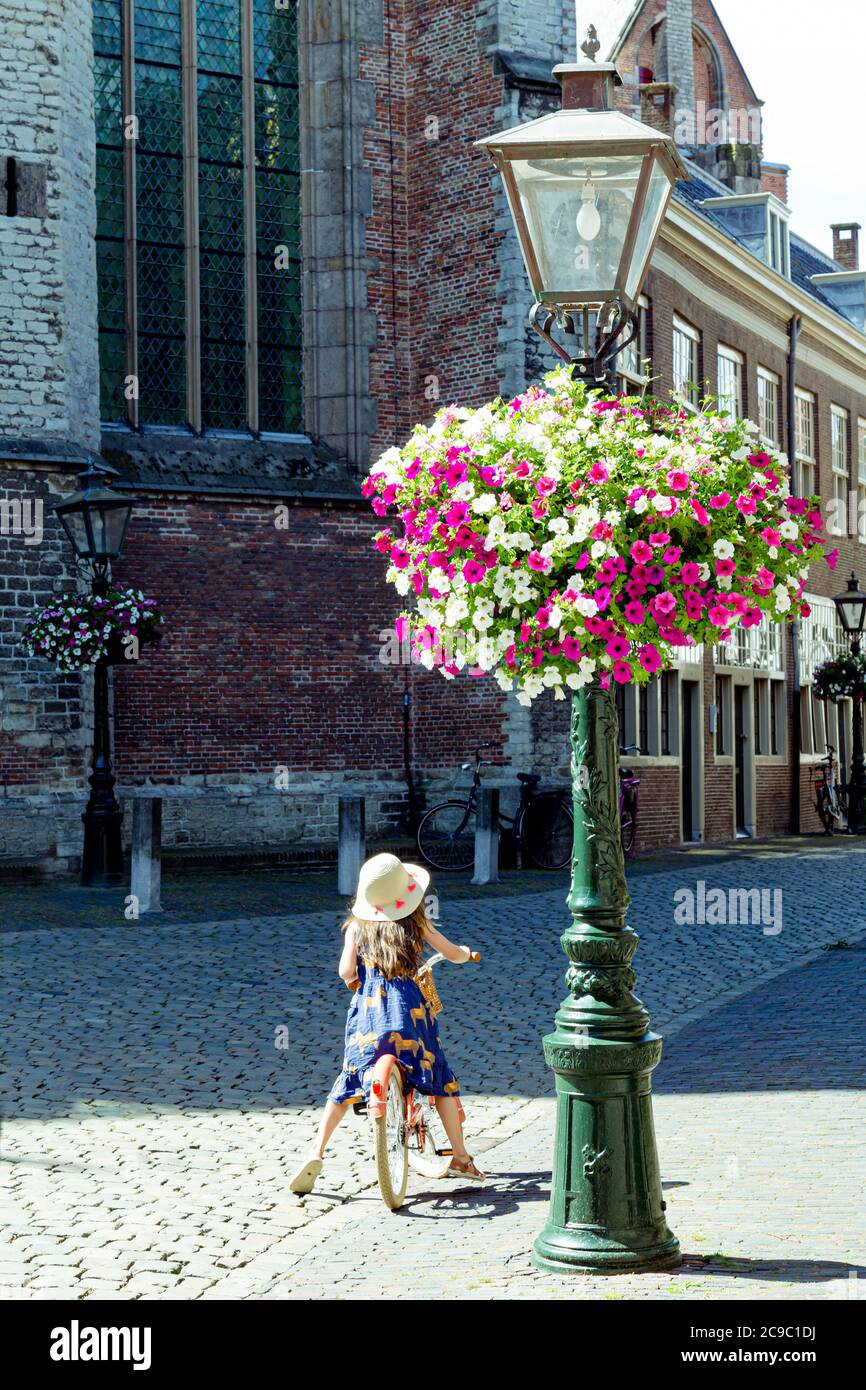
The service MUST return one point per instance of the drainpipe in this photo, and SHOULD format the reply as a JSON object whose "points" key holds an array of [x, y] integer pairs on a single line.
{"points": [[796, 773]]}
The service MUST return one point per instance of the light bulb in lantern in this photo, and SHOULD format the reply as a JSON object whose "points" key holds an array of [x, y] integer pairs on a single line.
{"points": [[589, 218]]}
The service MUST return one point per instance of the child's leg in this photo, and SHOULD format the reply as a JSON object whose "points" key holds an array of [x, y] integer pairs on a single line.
{"points": [[449, 1114], [331, 1117]]}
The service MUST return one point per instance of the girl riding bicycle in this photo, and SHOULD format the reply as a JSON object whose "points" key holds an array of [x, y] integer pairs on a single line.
{"points": [[385, 934]]}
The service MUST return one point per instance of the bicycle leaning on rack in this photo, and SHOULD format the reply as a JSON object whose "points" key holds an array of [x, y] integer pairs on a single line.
{"points": [[406, 1126], [629, 800], [542, 826], [831, 795]]}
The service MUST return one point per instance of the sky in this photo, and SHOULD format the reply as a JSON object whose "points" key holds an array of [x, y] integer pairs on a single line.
{"points": [[806, 62]]}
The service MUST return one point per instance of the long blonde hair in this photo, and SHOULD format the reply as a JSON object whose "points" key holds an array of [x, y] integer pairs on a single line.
{"points": [[394, 948]]}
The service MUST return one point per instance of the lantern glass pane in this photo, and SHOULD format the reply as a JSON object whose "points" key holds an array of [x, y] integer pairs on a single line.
{"points": [[109, 524], [852, 613], [651, 215], [75, 524], [577, 214]]}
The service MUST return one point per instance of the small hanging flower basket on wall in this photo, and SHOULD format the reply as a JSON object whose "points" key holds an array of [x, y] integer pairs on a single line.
{"points": [[843, 678], [74, 631]]}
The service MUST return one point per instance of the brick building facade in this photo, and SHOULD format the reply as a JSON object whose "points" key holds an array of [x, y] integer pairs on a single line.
{"points": [[335, 137]]}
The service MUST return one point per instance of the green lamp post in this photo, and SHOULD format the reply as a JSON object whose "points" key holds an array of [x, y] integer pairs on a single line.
{"points": [[588, 188]]}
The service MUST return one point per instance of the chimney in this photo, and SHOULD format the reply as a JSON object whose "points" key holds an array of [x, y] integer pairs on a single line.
{"points": [[846, 244], [774, 179], [658, 106], [677, 64]]}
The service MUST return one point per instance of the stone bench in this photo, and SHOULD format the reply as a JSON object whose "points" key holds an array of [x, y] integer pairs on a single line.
{"points": [[146, 858]]}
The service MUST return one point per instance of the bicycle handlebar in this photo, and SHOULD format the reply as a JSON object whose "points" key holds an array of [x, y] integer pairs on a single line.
{"points": [[474, 956], [631, 748]]}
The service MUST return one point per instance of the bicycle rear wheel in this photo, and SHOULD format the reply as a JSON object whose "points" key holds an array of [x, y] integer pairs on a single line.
{"points": [[389, 1142], [446, 837], [548, 832]]}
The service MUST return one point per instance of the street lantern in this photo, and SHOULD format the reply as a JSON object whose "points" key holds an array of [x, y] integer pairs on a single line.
{"points": [[95, 517], [851, 607], [588, 187]]}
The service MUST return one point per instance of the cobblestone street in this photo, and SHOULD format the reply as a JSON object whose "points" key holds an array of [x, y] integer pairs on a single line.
{"points": [[154, 1117]]}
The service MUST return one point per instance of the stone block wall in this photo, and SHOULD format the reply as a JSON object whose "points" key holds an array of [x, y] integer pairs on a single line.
{"points": [[48, 355]]}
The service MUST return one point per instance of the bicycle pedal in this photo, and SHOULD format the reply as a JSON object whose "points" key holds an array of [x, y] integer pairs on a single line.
{"points": [[360, 1107]]}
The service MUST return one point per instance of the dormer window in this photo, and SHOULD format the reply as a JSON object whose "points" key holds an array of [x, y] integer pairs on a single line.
{"points": [[760, 222]]}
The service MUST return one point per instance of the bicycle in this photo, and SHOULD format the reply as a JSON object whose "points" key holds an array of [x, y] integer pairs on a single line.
{"points": [[629, 800], [406, 1126], [830, 795], [542, 826]]}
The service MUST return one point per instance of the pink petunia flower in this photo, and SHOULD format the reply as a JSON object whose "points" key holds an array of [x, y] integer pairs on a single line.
{"points": [[649, 658], [473, 572], [598, 473], [618, 647], [641, 552], [677, 480], [537, 561], [621, 673], [721, 500]]}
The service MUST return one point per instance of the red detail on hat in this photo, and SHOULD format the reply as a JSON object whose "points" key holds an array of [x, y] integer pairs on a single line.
{"points": [[399, 904], [411, 888]]}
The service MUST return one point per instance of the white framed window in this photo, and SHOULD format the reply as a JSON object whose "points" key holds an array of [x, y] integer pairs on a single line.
{"points": [[633, 365], [821, 638], [840, 464], [724, 716], [778, 243], [730, 381], [804, 421], [861, 480], [768, 405], [769, 704], [686, 345], [648, 716]]}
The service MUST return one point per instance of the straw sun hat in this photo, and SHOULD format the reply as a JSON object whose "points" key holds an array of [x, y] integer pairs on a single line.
{"points": [[388, 889]]}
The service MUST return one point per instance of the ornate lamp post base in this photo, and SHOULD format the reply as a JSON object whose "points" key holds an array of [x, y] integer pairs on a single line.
{"points": [[606, 1207]]}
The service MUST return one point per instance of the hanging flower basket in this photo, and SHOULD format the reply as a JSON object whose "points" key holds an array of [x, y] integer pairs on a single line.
{"points": [[843, 678], [77, 630], [560, 538]]}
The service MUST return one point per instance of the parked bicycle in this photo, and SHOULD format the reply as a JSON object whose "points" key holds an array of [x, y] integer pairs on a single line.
{"points": [[542, 826], [629, 800], [831, 795], [406, 1126]]}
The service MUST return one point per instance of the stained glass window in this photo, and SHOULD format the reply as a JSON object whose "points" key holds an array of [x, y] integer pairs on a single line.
{"points": [[198, 238]]}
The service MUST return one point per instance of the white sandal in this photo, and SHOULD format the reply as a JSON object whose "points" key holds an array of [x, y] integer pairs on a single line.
{"points": [[304, 1177], [465, 1168]]}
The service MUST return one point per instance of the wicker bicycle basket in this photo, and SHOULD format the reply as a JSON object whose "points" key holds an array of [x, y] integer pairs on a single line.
{"points": [[427, 986]]}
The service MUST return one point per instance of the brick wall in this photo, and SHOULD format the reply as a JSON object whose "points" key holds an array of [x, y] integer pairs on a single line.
{"points": [[432, 235]]}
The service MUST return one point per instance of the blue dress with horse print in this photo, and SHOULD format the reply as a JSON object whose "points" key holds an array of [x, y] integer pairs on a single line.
{"points": [[391, 1016]]}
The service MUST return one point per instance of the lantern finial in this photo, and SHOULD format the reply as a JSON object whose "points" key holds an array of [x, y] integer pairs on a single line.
{"points": [[590, 45]]}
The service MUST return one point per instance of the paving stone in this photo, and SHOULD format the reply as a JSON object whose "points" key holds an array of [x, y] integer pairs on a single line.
{"points": [[152, 1125]]}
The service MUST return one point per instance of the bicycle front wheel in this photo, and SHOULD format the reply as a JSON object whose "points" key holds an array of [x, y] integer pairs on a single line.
{"points": [[628, 826], [825, 810], [548, 832], [446, 836], [389, 1141]]}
